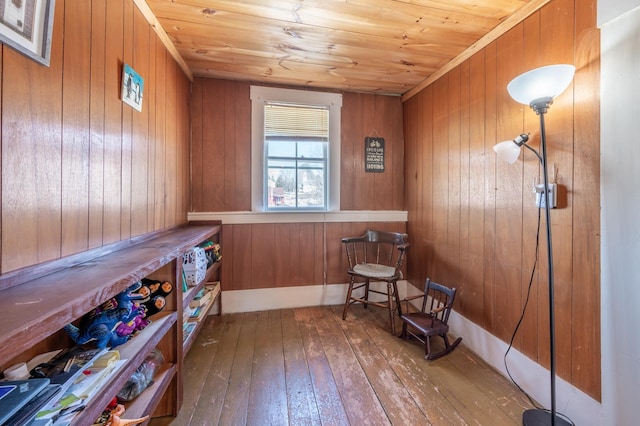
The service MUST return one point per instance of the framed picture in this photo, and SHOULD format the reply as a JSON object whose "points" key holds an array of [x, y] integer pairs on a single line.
{"points": [[26, 26], [132, 87]]}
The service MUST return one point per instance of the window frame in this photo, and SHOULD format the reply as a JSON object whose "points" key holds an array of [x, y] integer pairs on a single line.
{"points": [[260, 95]]}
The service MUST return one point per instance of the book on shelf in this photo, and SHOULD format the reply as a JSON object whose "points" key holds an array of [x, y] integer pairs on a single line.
{"points": [[201, 299], [208, 292], [187, 329], [92, 369]]}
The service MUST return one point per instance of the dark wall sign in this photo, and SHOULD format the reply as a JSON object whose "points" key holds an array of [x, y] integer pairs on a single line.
{"points": [[373, 155]]}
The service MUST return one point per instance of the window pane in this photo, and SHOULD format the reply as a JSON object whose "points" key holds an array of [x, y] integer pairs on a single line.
{"points": [[281, 149], [311, 149], [311, 188]]}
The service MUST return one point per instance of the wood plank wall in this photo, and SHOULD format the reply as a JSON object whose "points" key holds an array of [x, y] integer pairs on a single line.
{"points": [[474, 218], [80, 169], [291, 254]]}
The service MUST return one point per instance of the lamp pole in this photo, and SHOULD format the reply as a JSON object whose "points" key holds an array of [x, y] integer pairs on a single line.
{"points": [[537, 88], [537, 416]]}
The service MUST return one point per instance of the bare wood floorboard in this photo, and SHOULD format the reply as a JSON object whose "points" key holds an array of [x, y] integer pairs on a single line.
{"points": [[306, 366]]}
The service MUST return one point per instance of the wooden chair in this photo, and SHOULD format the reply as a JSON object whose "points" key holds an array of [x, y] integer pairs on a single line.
{"points": [[375, 256], [433, 321]]}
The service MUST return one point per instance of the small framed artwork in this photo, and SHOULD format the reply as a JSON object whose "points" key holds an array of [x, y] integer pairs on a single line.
{"points": [[26, 26], [132, 87], [373, 155]]}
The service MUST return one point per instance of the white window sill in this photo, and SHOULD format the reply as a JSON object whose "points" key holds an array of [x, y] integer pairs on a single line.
{"points": [[246, 217]]}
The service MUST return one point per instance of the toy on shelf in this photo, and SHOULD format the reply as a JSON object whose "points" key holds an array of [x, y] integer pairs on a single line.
{"points": [[117, 320], [101, 323]]}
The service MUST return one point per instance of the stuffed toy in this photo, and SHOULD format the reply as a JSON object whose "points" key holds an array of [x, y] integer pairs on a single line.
{"points": [[149, 289], [136, 322], [154, 305], [151, 295], [101, 323]]}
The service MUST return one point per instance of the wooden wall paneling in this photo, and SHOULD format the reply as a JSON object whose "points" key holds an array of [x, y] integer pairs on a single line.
{"points": [[284, 253], [465, 177], [337, 264], [411, 123], [140, 194], [171, 138], [127, 129], [196, 154], [76, 86], [531, 214], [440, 187], [113, 122], [228, 172], [214, 115], [471, 303], [97, 124], [351, 165], [262, 255], [426, 198], [184, 95], [490, 136], [31, 154], [307, 262], [319, 254], [384, 182], [557, 42], [242, 146], [242, 259], [150, 103], [75, 127], [509, 197], [453, 184], [160, 138], [393, 122], [586, 206]]}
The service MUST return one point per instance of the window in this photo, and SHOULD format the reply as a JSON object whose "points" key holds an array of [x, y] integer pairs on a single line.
{"points": [[296, 150], [296, 139]]}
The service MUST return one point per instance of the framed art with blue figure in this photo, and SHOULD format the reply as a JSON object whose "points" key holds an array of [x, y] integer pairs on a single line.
{"points": [[132, 87]]}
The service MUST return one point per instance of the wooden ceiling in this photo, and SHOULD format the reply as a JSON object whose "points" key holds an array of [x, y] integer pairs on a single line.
{"points": [[375, 46]]}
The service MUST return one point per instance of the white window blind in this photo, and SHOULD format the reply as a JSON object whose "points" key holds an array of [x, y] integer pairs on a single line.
{"points": [[299, 122]]}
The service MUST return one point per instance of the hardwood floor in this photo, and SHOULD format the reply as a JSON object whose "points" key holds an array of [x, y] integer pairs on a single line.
{"points": [[307, 366]]}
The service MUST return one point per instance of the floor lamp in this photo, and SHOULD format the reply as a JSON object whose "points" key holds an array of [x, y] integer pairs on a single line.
{"points": [[537, 88]]}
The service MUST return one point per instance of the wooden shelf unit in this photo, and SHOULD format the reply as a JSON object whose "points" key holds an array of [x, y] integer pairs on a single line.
{"points": [[37, 302]]}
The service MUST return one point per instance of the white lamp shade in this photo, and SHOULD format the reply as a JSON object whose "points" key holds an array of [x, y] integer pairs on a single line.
{"points": [[508, 151], [541, 82]]}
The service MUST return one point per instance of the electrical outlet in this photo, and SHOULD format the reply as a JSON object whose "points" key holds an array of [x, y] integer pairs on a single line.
{"points": [[552, 196]]}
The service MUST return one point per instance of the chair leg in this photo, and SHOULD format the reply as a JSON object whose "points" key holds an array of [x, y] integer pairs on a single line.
{"points": [[348, 300], [427, 347], [366, 293], [390, 297], [448, 347]]}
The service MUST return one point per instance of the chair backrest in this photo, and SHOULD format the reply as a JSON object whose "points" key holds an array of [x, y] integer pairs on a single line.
{"points": [[439, 299], [379, 247]]}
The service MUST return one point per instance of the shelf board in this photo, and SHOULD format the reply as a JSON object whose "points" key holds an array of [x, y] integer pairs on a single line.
{"points": [[37, 308], [134, 351], [147, 401]]}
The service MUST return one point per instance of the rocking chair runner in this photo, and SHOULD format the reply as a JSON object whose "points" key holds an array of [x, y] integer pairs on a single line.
{"points": [[431, 322], [375, 256]]}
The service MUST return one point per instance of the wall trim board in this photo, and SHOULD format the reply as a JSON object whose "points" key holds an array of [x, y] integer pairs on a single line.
{"points": [[237, 218], [265, 299], [578, 406]]}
